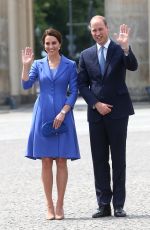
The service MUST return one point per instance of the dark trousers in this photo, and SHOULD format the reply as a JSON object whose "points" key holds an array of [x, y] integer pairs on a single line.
{"points": [[109, 136]]}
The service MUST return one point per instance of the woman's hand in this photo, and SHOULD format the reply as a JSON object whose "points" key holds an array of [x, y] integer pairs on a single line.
{"points": [[58, 120], [27, 56]]}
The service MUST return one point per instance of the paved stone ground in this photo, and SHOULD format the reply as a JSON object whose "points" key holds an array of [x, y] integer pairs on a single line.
{"points": [[22, 204]]}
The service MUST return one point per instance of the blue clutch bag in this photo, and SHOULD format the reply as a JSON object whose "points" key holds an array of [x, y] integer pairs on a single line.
{"points": [[49, 130]]}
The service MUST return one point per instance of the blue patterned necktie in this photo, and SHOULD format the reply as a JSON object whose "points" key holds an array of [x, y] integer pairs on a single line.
{"points": [[102, 60]]}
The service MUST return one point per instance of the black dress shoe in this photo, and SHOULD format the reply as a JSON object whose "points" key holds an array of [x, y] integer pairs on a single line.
{"points": [[119, 212], [104, 210]]}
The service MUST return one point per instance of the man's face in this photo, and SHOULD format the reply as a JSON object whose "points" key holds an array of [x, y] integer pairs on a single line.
{"points": [[99, 31]]}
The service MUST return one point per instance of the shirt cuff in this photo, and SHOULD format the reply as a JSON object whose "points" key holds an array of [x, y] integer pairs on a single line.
{"points": [[126, 53]]}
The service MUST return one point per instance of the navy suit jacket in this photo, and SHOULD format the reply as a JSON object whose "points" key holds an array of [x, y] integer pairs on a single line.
{"points": [[110, 88]]}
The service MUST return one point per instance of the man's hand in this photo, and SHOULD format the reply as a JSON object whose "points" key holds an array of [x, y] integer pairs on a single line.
{"points": [[123, 37], [103, 108]]}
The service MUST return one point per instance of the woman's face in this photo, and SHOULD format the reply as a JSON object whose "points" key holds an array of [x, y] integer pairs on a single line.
{"points": [[52, 45]]}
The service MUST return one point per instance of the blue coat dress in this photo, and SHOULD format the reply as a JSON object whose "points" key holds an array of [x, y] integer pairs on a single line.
{"points": [[54, 94]]}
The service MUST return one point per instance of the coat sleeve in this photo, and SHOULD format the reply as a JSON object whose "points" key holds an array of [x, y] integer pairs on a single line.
{"points": [[84, 83], [33, 76], [73, 88], [130, 61]]}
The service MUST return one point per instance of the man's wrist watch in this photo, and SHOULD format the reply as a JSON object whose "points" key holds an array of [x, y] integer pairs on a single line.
{"points": [[63, 112]]}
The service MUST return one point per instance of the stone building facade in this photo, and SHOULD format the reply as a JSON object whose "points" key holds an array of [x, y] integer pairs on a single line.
{"points": [[16, 32], [136, 14]]}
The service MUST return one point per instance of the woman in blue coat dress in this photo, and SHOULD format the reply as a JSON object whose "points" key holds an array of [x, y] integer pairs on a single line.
{"points": [[57, 79]]}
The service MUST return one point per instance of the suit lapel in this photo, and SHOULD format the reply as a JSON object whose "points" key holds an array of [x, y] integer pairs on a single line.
{"points": [[110, 52], [95, 59]]}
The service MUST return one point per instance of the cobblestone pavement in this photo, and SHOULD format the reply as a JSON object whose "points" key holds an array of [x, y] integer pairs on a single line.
{"points": [[22, 204]]}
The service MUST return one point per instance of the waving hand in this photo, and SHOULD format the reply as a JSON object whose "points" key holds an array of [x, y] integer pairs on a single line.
{"points": [[123, 37], [27, 56]]}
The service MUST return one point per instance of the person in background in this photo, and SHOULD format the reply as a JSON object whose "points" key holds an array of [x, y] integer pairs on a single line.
{"points": [[101, 79], [57, 77]]}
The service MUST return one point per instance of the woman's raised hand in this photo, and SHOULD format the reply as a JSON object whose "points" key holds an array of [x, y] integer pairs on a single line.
{"points": [[27, 56]]}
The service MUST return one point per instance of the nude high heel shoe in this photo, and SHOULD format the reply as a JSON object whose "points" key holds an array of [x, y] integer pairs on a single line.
{"points": [[50, 213], [59, 214]]}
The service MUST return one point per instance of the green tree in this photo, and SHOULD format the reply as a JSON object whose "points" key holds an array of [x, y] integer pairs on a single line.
{"points": [[55, 13]]}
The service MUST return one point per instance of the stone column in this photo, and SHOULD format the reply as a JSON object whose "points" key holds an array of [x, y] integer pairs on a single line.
{"points": [[149, 38], [13, 41], [4, 79], [20, 35], [135, 14], [26, 36], [16, 32]]}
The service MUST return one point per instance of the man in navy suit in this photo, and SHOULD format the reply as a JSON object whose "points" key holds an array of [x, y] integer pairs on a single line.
{"points": [[102, 73]]}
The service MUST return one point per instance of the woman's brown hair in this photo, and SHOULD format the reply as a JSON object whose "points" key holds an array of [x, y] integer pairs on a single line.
{"points": [[52, 32]]}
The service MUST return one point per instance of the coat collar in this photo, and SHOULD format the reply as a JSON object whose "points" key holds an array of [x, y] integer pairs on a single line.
{"points": [[61, 68]]}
